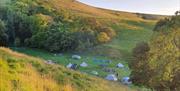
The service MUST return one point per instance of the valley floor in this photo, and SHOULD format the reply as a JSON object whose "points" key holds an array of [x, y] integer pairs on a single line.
{"points": [[117, 51]]}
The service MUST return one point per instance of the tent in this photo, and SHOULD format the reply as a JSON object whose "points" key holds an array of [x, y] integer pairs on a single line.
{"points": [[83, 64], [72, 66], [111, 77], [49, 62], [76, 57], [94, 72], [69, 65], [125, 80], [120, 65]]}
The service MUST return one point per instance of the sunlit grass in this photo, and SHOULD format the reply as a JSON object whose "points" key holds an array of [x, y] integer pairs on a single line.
{"points": [[24, 73]]}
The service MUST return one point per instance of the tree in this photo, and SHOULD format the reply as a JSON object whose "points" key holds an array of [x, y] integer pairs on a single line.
{"points": [[138, 64], [59, 41], [159, 67], [3, 35], [85, 38], [177, 12]]}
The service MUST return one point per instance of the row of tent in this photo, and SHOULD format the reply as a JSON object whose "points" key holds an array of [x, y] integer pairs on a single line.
{"points": [[124, 80], [83, 64], [111, 77]]}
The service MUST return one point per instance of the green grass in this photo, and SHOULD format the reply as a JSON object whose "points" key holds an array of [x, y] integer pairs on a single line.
{"points": [[20, 72], [130, 30], [66, 58], [129, 33], [127, 38]]}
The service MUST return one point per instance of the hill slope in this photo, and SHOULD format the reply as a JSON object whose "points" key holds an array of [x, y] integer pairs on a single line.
{"points": [[131, 28], [24, 73], [87, 10]]}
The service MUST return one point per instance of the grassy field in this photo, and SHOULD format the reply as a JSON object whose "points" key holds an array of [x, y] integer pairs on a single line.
{"points": [[84, 10], [130, 28], [66, 59], [20, 72], [118, 50], [128, 36]]}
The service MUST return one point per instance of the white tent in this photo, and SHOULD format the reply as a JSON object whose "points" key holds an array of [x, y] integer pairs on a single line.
{"points": [[83, 64], [111, 77], [94, 72], [49, 62], [76, 57], [120, 65], [125, 80], [69, 65]]}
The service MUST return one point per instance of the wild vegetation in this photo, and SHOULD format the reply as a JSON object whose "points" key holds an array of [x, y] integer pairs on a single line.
{"points": [[68, 26], [33, 23], [156, 64]]}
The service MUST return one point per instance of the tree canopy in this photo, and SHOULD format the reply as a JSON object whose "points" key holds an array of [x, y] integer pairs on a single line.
{"points": [[34, 23], [157, 64]]}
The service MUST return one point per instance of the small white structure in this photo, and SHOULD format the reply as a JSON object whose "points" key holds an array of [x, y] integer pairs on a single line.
{"points": [[76, 57], [125, 80], [49, 62], [111, 77], [83, 64], [94, 72], [120, 65], [69, 65]]}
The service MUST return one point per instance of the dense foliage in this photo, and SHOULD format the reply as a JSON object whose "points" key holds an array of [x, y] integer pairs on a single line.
{"points": [[34, 23], [3, 35], [157, 65]]}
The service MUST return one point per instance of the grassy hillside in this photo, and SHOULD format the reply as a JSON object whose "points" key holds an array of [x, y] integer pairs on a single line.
{"points": [[24, 73], [45, 22], [89, 11], [84, 26], [118, 51]]}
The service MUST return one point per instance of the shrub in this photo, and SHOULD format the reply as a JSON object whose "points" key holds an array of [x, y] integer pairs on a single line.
{"points": [[103, 37]]}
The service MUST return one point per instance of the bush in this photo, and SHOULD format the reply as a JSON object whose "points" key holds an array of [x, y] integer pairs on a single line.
{"points": [[103, 37], [84, 39]]}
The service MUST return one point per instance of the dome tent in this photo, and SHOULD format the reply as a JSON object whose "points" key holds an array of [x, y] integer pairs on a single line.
{"points": [[120, 65], [72, 66], [69, 65], [49, 62], [83, 64], [76, 57], [111, 77], [94, 72], [125, 80]]}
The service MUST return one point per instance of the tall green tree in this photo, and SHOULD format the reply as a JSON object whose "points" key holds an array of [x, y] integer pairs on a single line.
{"points": [[159, 67], [3, 35]]}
